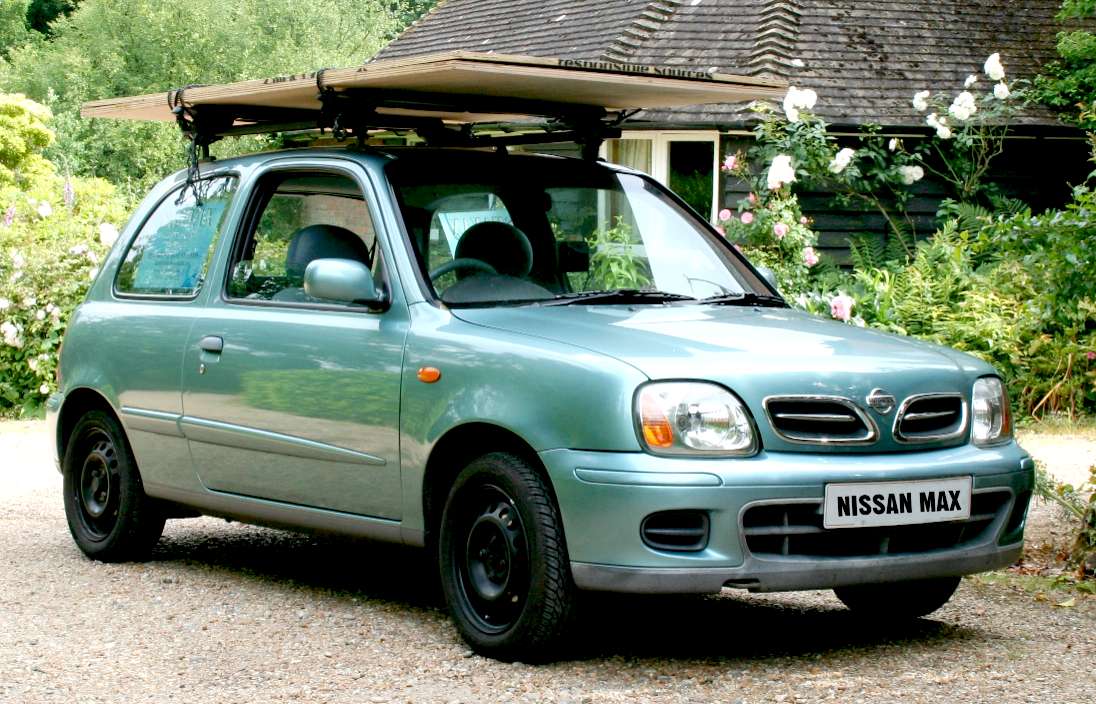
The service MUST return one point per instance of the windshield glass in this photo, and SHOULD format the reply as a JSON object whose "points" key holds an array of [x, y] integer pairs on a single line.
{"points": [[508, 229]]}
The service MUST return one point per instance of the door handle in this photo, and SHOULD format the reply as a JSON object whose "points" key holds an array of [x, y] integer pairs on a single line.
{"points": [[212, 344]]}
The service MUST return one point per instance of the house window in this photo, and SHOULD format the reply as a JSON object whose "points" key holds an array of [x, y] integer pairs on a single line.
{"points": [[685, 162]]}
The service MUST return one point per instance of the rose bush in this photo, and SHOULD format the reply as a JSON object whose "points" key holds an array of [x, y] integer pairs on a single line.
{"points": [[53, 234], [1010, 287]]}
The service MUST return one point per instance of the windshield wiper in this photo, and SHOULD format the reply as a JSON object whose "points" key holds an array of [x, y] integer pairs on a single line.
{"points": [[746, 299], [620, 295]]}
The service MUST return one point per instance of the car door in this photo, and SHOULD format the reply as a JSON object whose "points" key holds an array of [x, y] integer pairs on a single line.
{"points": [[292, 399]]}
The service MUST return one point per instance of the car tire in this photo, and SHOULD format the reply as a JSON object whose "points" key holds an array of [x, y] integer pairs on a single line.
{"points": [[109, 515], [898, 599], [503, 560]]}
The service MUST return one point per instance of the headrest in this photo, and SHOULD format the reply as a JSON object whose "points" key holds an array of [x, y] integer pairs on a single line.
{"points": [[503, 246], [323, 242]]}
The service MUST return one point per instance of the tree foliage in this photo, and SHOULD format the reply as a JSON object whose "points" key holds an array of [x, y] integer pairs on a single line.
{"points": [[107, 48], [1069, 84], [54, 232]]}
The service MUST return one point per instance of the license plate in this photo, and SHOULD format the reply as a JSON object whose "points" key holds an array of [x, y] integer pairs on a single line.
{"points": [[897, 503]]}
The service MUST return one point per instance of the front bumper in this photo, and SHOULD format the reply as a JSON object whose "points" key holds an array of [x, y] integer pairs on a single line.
{"points": [[604, 497]]}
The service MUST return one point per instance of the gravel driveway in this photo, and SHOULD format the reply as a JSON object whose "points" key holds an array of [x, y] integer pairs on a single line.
{"points": [[231, 613]]}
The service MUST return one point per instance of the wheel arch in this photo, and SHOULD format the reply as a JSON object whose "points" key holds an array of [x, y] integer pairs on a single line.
{"points": [[77, 403], [455, 449]]}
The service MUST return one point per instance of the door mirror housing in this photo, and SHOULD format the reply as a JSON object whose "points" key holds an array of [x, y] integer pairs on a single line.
{"points": [[343, 280]]}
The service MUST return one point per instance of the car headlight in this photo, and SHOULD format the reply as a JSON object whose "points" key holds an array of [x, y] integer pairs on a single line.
{"points": [[693, 418], [990, 413]]}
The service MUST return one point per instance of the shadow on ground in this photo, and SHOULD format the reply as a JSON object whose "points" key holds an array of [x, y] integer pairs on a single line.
{"points": [[734, 625]]}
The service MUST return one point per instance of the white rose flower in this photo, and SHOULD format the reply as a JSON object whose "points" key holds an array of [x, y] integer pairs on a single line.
{"points": [[781, 172], [33, 364], [940, 124], [893, 144], [107, 234], [1001, 91], [44, 209], [17, 260], [40, 314], [921, 100], [842, 160], [911, 174], [44, 389], [963, 106], [30, 302], [797, 100], [971, 80], [78, 249], [993, 67], [10, 333], [93, 257], [4, 304]]}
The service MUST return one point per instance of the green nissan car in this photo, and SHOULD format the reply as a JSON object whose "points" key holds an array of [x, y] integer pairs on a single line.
{"points": [[548, 372]]}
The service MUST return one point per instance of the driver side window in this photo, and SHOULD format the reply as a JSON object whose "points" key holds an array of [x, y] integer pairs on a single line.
{"points": [[304, 217]]}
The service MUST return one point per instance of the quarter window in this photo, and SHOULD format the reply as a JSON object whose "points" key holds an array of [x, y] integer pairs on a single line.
{"points": [[171, 254]]}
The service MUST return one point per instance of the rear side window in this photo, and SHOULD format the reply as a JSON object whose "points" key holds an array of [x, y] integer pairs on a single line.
{"points": [[171, 254]]}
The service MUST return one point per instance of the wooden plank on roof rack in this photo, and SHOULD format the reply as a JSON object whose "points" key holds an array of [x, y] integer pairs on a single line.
{"points": [[467, 76]]}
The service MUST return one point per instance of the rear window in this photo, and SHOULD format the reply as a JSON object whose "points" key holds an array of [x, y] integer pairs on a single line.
{"points": [[171, 254]]}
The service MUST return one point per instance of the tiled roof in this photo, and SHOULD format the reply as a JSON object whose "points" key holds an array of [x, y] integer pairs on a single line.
{"points": [[865, 58]]}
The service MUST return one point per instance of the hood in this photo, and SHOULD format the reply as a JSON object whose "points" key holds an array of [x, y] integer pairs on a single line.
{"points": [[756, 352]]}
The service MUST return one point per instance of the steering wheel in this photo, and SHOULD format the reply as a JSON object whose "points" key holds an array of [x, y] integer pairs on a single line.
{"points": [[462, 263]]}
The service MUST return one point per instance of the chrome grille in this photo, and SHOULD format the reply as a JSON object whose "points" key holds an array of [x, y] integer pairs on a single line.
{"points": [[820, 420], [931, 417], [795, 529]]}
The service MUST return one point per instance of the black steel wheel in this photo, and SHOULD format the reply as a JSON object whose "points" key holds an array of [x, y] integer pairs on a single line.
{"points": [[504, 565], [110, 517], [907, 600]]}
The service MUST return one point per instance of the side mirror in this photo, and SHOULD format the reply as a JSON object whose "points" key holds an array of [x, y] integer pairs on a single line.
{"points": [[768, 275], [342, 280]]}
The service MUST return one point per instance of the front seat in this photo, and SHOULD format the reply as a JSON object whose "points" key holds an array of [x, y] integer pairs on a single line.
{"points": [[510, 254], [317, 242]]}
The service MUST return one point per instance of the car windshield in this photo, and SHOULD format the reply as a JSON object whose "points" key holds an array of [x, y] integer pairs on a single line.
{"points": [[495, 229]]}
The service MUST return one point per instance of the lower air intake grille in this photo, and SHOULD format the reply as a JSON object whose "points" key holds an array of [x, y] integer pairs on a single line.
{"points": [[820, 420], [677, 531], [796, 530], [931, 417]]}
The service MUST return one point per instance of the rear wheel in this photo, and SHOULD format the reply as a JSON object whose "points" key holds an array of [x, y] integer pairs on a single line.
{"points": [[110, 517], [504, 565], [899, 599]]}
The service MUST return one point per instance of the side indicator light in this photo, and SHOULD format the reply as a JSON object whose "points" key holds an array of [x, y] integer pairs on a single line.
{"points": [[656, 426], [428, 375]]}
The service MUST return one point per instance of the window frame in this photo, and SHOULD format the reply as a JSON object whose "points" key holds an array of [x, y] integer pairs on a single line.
{"points": [[258, 198], [214, 246], [660, 155]]}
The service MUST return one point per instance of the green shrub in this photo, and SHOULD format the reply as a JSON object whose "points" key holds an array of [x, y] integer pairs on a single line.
{"points": [[53, 234]]}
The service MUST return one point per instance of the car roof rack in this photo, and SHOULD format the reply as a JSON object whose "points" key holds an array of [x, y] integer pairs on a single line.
{"points": [[444, 98]]}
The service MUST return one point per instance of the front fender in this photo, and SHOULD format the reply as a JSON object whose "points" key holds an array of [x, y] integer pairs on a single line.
{"points": [[550, 394]]}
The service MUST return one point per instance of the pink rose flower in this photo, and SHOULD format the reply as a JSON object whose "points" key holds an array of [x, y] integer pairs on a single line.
{"points": [[780, 230], [730, 163], [752, 198], [725, 214], [803, 220], [1090, 356], [747, 218], [810, 258], [841, 307]]}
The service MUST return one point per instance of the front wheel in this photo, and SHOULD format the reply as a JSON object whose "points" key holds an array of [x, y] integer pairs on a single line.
{"points": [[110, 517], [898, 599], [504, 565]]}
